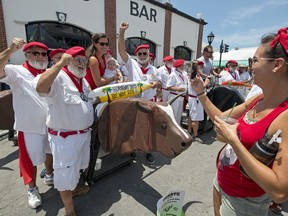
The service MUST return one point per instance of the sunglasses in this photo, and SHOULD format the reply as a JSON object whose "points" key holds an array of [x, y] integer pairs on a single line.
{"points": [[81, 60], [36, 53], [140, 54], [103, 44]]}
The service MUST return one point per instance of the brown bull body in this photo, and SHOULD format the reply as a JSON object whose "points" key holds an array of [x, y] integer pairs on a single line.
{"points": [[134, 124]]}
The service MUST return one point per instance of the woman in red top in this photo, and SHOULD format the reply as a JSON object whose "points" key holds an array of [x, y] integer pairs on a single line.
{"points": [[263, 115], [97, 62]]}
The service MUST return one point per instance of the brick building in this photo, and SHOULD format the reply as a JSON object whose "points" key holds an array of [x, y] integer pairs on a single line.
{"points": [[67, 23]]}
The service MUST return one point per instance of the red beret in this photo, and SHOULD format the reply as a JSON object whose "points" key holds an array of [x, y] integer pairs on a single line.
{"points": [[34, 43], [142, 46], [168, 58], [178, 63], [56, 51], [152, 56], [200, 62], [76, 50], [233, 62]]}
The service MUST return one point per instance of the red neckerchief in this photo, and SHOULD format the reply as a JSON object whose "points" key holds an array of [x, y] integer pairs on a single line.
{"points": [[74, 79], [144, 71], [234, 76], [180, 75], [282, 38], [32, 70], [168, 69]]}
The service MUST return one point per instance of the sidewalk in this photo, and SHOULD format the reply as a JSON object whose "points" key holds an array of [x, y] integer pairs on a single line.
{"points": [[130, 191]]}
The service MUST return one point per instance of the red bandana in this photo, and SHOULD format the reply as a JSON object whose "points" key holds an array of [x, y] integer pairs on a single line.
{"points": [[168, 69], [144, 71], [74, 79], [281, 37], [32, 70]]}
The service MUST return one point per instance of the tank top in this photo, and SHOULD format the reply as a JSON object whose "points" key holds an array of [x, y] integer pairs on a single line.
{"points": [[230, 179], [89, 76]]}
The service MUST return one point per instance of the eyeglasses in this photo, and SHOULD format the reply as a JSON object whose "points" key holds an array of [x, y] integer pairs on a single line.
{"points": [[140, 54], [209, 52], [81, 60], [254, 59], [233, 66], [36, 53], [103, 44]]}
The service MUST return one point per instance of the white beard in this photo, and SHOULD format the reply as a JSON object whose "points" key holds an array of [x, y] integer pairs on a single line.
{"points": [[38, 65], [144, 60], [79, 73]]}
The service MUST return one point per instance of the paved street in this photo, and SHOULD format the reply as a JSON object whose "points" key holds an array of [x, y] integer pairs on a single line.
{"points": [[131, 190]]}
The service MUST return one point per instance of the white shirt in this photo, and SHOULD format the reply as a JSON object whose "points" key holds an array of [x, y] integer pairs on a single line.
{"points": [[177, 79], [30, 109], [207, 67], [67, 111], [227, 76], [135, 74], [164, 74], [245, 76], [109, 73]]}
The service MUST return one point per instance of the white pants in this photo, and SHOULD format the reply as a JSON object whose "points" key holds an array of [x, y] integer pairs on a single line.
{"points": [[177, 107], [70, 155], [37, 145]]}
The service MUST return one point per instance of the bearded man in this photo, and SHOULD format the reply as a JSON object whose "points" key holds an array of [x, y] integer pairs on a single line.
{"points": [[140, 70], [30, 113], [164, 71], [70, 115]]}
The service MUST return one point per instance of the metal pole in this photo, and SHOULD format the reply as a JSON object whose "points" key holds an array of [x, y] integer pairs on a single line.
{"points": [[221, 51]]}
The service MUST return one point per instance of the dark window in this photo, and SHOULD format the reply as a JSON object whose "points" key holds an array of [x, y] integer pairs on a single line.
{"points": [[133, 42], [182, 52], [58, 35]]}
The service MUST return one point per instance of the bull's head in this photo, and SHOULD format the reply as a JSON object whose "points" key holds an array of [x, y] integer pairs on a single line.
{"points": [[137, 124]]}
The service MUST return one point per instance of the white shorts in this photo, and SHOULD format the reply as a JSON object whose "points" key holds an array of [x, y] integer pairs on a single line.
{"points": [[37, 145], [196, 111], [70, 155]]}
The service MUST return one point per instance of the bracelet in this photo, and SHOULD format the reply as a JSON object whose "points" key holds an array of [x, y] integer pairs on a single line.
{"points": [[201, 94]]}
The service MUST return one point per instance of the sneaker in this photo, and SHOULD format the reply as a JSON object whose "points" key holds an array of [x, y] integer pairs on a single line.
{"points": [[34, 198], [80, 190], [43, 173], [49, 180], [150, 158], [198, 139]]}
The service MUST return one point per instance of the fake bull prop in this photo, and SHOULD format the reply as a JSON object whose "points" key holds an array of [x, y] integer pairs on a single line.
{"points": [[131, 124], [6, 110]]}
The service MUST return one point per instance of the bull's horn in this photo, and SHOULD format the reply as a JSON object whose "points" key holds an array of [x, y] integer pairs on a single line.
{"points": [[171, 100], [144, 108]]}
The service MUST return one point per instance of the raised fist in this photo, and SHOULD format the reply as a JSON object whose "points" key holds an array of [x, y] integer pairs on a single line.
{"points": [[124, 25], [16, 44]]}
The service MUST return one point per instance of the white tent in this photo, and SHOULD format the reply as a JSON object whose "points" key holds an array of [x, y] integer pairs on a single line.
{"points": [[241, 55]]}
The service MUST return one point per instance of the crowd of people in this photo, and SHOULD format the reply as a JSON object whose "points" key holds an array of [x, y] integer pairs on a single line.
{"points": [[53, 113]]}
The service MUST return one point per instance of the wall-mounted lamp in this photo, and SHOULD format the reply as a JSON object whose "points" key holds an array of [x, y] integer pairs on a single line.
{"points": [[61, 16], [143, 34], [184, 43]]}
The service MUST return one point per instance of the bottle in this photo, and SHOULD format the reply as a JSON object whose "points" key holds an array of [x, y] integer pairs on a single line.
{"points": [[265, 150]]}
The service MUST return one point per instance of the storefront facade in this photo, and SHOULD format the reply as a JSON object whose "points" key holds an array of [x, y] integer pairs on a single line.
{"points": [[68, 23]]}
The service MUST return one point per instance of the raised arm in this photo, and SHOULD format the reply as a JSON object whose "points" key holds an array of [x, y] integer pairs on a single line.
{"points": [[46, 79], [17, 43], [121, 41]]}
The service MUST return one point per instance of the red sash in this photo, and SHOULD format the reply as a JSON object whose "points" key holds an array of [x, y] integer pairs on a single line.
{"points": [[25, 163]]}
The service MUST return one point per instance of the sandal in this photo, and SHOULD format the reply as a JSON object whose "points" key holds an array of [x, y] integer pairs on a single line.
{"points": [[275, 207]]}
